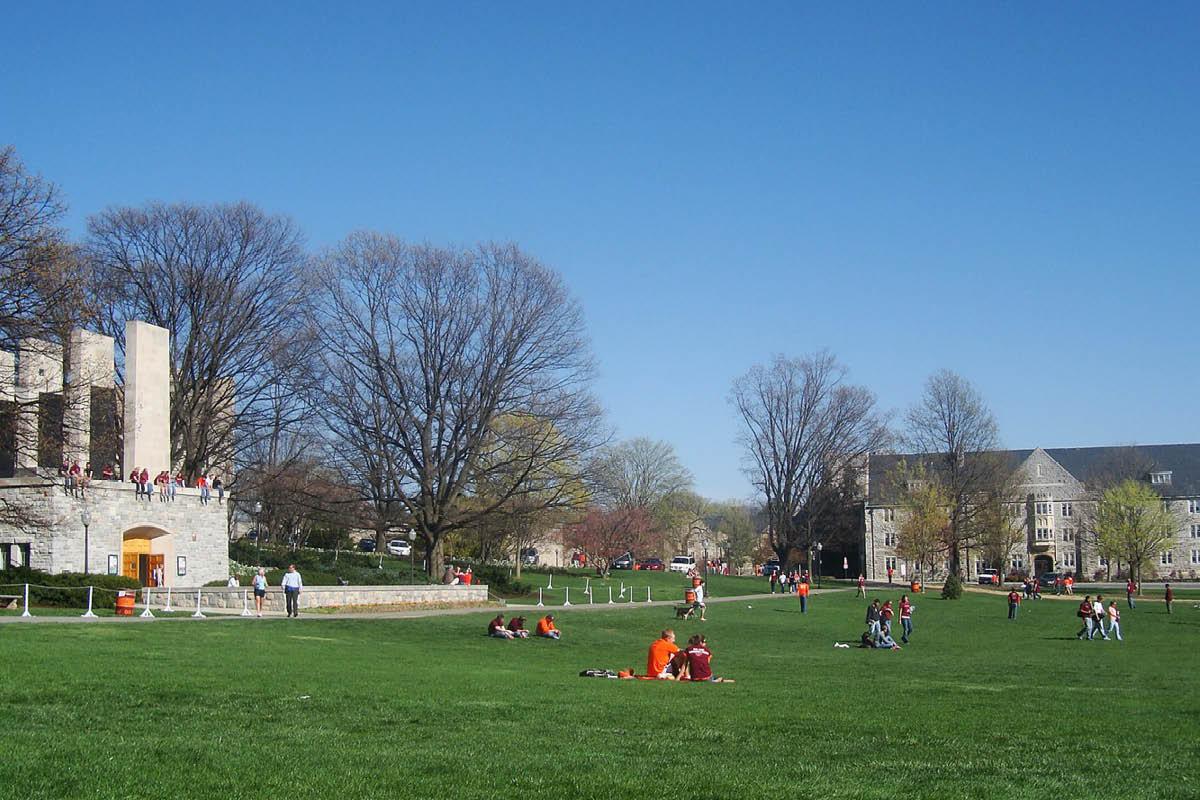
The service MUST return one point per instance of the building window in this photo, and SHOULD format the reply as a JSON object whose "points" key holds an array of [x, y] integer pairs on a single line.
{"points": [[1102, 561], [1068, 534], [1160, 477], [1018, 563], [1046, 509], [1194, 506], [1196, 556], [1038, 469], [1066, 509], [1045, 534], [889, 539], [1068, 559], [979, 567], [1166, 558], [14, 555], [1196, 531], [889, 563], [889, 515]]}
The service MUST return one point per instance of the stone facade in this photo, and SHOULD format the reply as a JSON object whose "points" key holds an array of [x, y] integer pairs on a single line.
{"points": [[1053, 509], [182, 529]]}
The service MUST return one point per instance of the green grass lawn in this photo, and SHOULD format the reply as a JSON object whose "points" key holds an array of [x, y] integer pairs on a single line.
{"points": [[431, 708]]}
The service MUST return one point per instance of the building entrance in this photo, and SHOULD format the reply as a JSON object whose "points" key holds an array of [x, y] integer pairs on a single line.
{"points": [[144, 555], [1042, 564]]}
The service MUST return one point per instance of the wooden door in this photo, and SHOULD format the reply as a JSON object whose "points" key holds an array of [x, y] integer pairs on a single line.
{"points": [[129, 565], [156, 563]]}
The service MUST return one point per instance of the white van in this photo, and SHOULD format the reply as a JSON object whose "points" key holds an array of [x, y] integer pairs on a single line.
{"points": [[682, 564]]}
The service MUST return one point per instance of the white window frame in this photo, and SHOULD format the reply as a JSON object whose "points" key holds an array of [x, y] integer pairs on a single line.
{"points": [[1066, 510], [889, 561], [1068, 534], [1196, 556], [1195, 531], [889, 538], [1046, 509], [1068, 559], [1044, 535], [1194, 506], [889, 514], [1160, 478], [1166, 558]]}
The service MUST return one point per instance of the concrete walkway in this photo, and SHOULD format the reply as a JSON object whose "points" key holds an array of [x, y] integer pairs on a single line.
{"points": [[509, 610]]}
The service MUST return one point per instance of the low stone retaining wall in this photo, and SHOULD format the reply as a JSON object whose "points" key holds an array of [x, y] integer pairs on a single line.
{"points": [[221, 597]]}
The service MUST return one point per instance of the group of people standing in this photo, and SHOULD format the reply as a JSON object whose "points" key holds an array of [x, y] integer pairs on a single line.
{"points": [[788, 582], [879, 623], [166, 483]]}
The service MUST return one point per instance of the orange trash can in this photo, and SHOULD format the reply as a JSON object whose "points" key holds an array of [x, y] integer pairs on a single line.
{"points": [[916, 587], [125, 601]]}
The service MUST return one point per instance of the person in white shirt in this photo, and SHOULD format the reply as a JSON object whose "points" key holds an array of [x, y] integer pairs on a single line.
{"points": [[292, 584], [1114, 620], [699, 590], [260, 589], [232, 582]]}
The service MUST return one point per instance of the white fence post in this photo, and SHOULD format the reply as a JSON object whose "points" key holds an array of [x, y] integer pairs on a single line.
{"points": [[610, 596], [198, 615], [539, 596], [146, 613], [647, 594], [88, 614], [26, 613], [567, 602], [167, 607], [246, 603]]}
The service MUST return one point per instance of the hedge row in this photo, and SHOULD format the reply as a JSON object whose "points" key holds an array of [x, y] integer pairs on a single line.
{"points": [[73, 593]]}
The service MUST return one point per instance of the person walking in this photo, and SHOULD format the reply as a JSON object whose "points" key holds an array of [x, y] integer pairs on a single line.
{"points": [[906, 610], [1114, 620], [1098, 616], [874, 617], [1014, 604], [1169, 596], [862, 586], [774, 577], [260, 589], [1085, 614], [1130, 590], [890, 571], [1069, 584], [292, 584], [803, 591]]}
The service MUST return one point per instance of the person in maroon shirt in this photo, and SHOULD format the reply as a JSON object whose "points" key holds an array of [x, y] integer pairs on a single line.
{"points": [[699, 658], [1085, 613], [1014, 603], [885, 616], [516, 626], [1169, 597], [496, 628]]}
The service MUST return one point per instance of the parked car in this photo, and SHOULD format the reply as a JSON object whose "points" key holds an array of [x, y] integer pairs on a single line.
{"points": [[399, 547], [1047, 580], [654, 564], [529, 556], [366, 545], [683, 564], [989, 577], [771, 566], [623, 562]]}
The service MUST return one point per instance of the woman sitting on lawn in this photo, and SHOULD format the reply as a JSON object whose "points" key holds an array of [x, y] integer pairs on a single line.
{"points": [[516, 626], [699, 658]]}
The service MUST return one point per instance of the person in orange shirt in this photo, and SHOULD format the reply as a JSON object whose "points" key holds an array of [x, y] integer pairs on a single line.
{"points": [[661, 661], [803, 592], [545, 627]]}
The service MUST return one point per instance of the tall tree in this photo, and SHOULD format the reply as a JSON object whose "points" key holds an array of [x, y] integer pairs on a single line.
{"points": [[604, 534], [735, 522], [423, 350], [224, 280], [803, 427], [953, 427], [638, 473], [1131, 522]]}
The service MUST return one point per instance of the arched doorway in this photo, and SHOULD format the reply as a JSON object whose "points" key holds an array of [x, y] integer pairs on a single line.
{"points": [[1042, 565], [146, 552]]}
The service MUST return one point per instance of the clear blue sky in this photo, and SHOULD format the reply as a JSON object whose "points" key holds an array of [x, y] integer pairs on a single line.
{"points": [[1008, 190]]}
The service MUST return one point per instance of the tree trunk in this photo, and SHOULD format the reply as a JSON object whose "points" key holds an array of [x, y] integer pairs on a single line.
{"points": [[435, 555]]}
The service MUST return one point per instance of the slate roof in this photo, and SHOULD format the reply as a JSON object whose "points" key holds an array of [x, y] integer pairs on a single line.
{"points": [[1085, 463]]}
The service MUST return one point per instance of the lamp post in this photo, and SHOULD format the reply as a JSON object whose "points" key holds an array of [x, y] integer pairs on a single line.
{"points": [[819, 547], [258, 530], [412, 538], [85, 516]]}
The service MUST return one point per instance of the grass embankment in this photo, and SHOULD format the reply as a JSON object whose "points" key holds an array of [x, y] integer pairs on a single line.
{"points": [[309, 708]]}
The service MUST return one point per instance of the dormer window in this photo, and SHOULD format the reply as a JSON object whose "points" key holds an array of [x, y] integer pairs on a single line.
{"points": [[1160, 477]]}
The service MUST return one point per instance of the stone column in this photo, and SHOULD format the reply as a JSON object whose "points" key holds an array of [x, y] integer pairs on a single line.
{"points": [[147, 397], [39, 369], [91, 365]]}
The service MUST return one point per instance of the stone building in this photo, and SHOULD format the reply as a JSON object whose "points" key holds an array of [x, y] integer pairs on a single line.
{"points": [[56, 413], [1053, 504]]}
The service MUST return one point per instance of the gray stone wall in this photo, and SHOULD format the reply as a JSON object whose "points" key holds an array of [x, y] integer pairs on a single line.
{"points": [[184, 598], [182, 528]]}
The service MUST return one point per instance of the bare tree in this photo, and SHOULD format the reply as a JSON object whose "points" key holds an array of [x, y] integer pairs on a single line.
{"points": [[224, 280], [424, 350], [602, 535], [803, 427], [954, 429], [638, 473]]}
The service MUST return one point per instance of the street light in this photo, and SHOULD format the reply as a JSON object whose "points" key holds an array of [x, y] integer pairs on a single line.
{"points": [[412, 538], [819, 547], [258, 530], [85, 516]]}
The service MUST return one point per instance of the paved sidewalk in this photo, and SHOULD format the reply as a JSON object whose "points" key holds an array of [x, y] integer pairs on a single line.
{"points": [[235, 614]]}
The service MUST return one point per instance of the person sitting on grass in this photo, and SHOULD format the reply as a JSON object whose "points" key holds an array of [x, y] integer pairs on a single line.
{"points": [[516, 626], [885, 641], [545, 627], [496, 628], [699, 658], [660, 661]]}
